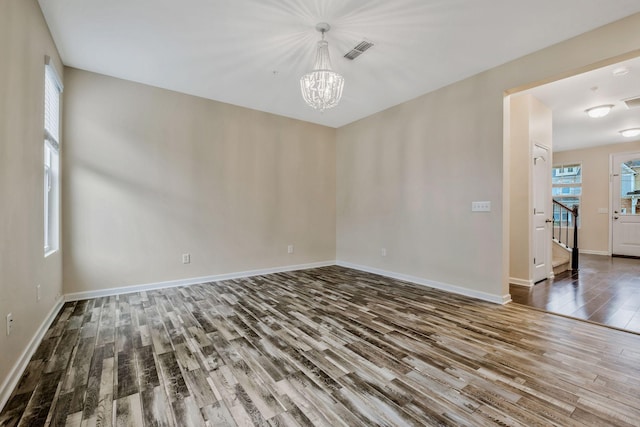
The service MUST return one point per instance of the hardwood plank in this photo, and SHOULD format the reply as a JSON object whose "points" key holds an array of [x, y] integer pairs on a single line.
{"points": [[105, 406], [58, 417], [14, 409], [126, 374], [154, 407], [37, 409], [146, 368], [92, 396], [128, 411], [603, 290], [325, 347]]}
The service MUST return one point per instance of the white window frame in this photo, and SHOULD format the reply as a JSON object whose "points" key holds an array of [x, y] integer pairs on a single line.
{"points": [[628, 171], [568, 170], [51, 154]]}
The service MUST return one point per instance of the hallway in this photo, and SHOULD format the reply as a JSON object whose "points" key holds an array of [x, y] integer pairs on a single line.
{"points": [[605, 290]]}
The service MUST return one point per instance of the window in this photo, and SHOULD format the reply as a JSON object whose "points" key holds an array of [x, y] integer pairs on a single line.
{"points": [[628, 178], [630, 187], [567, 188], [52, 90]]}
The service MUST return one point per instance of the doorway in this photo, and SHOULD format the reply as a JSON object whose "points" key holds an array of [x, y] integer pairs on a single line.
{"points": [[603, 289], [625, 204]]}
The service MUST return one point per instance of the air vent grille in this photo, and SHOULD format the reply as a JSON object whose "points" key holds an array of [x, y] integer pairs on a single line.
{"points": [[632, 102], [358, 50]]}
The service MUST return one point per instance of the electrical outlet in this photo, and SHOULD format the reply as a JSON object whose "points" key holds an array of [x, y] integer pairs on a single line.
{"points": [[383, 251], [9, 323], [290, 249], [38, 293], [186, 258]]}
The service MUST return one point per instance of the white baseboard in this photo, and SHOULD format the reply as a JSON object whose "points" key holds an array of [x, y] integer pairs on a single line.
{"points": [[520, 282], [590, 252], [496, 299], [12, 379], [76, 296]]}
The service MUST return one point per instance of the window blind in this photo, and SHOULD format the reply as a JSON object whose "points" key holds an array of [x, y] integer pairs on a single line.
{"points": [[52, 90]]}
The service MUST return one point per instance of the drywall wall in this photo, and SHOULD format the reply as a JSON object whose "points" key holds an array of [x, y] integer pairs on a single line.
{"points": [[520, 184], [151, 174], [24, 42], [530, 123], [406, 176], [594, 223]]}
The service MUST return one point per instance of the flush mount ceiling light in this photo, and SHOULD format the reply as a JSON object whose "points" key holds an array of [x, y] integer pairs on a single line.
{"points": [[599, 111], [620, 71], [322, 87], [630, 133]]}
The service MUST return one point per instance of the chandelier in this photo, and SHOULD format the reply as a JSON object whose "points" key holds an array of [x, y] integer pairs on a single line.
{"points": [[322, 87]]}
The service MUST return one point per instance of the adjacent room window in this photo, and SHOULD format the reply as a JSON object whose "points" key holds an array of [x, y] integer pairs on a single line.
{"points": [[630, 188], [52, 91], [567, 187]]}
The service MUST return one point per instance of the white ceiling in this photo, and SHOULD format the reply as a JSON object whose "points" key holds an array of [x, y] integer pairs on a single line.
{"points": [[570, 97], [252, 52]]}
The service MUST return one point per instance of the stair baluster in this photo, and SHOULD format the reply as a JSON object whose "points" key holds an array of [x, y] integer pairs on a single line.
{"points": [[559, 211]]}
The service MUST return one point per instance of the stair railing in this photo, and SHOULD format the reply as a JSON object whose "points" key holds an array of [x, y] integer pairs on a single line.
{"points": [[565, 218]]}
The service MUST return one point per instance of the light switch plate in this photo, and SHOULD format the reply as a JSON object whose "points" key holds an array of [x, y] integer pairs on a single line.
{"points": [[484, 206]]}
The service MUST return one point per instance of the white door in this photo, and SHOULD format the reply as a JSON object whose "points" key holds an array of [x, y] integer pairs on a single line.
{"points": [[541, 213], [625, 205]]}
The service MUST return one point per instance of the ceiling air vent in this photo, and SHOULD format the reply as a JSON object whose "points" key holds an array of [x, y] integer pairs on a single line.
{"points": [[358, 50], [632, 102]]}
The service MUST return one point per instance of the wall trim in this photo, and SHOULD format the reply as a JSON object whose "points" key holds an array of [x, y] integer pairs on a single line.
{"points": [[11, 382], [496, 299], [77, 296], [590, 252], [520, 282]]}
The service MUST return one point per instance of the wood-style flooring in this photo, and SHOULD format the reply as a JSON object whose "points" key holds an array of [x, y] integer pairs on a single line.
{"points": [[604, 290], [328, 347]]}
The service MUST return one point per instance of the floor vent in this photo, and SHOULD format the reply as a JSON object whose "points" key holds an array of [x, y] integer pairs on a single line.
{"points": [[632, 102], [358, 50]]}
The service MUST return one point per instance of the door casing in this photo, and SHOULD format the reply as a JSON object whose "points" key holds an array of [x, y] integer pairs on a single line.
{"points": [[614, 197]]}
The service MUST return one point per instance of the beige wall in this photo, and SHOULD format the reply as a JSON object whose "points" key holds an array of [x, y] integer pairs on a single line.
{"points": [[520, 183], [594, 226], [406, 176], [530, 123], [406, 179], [151, 174], [24, 42]]}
